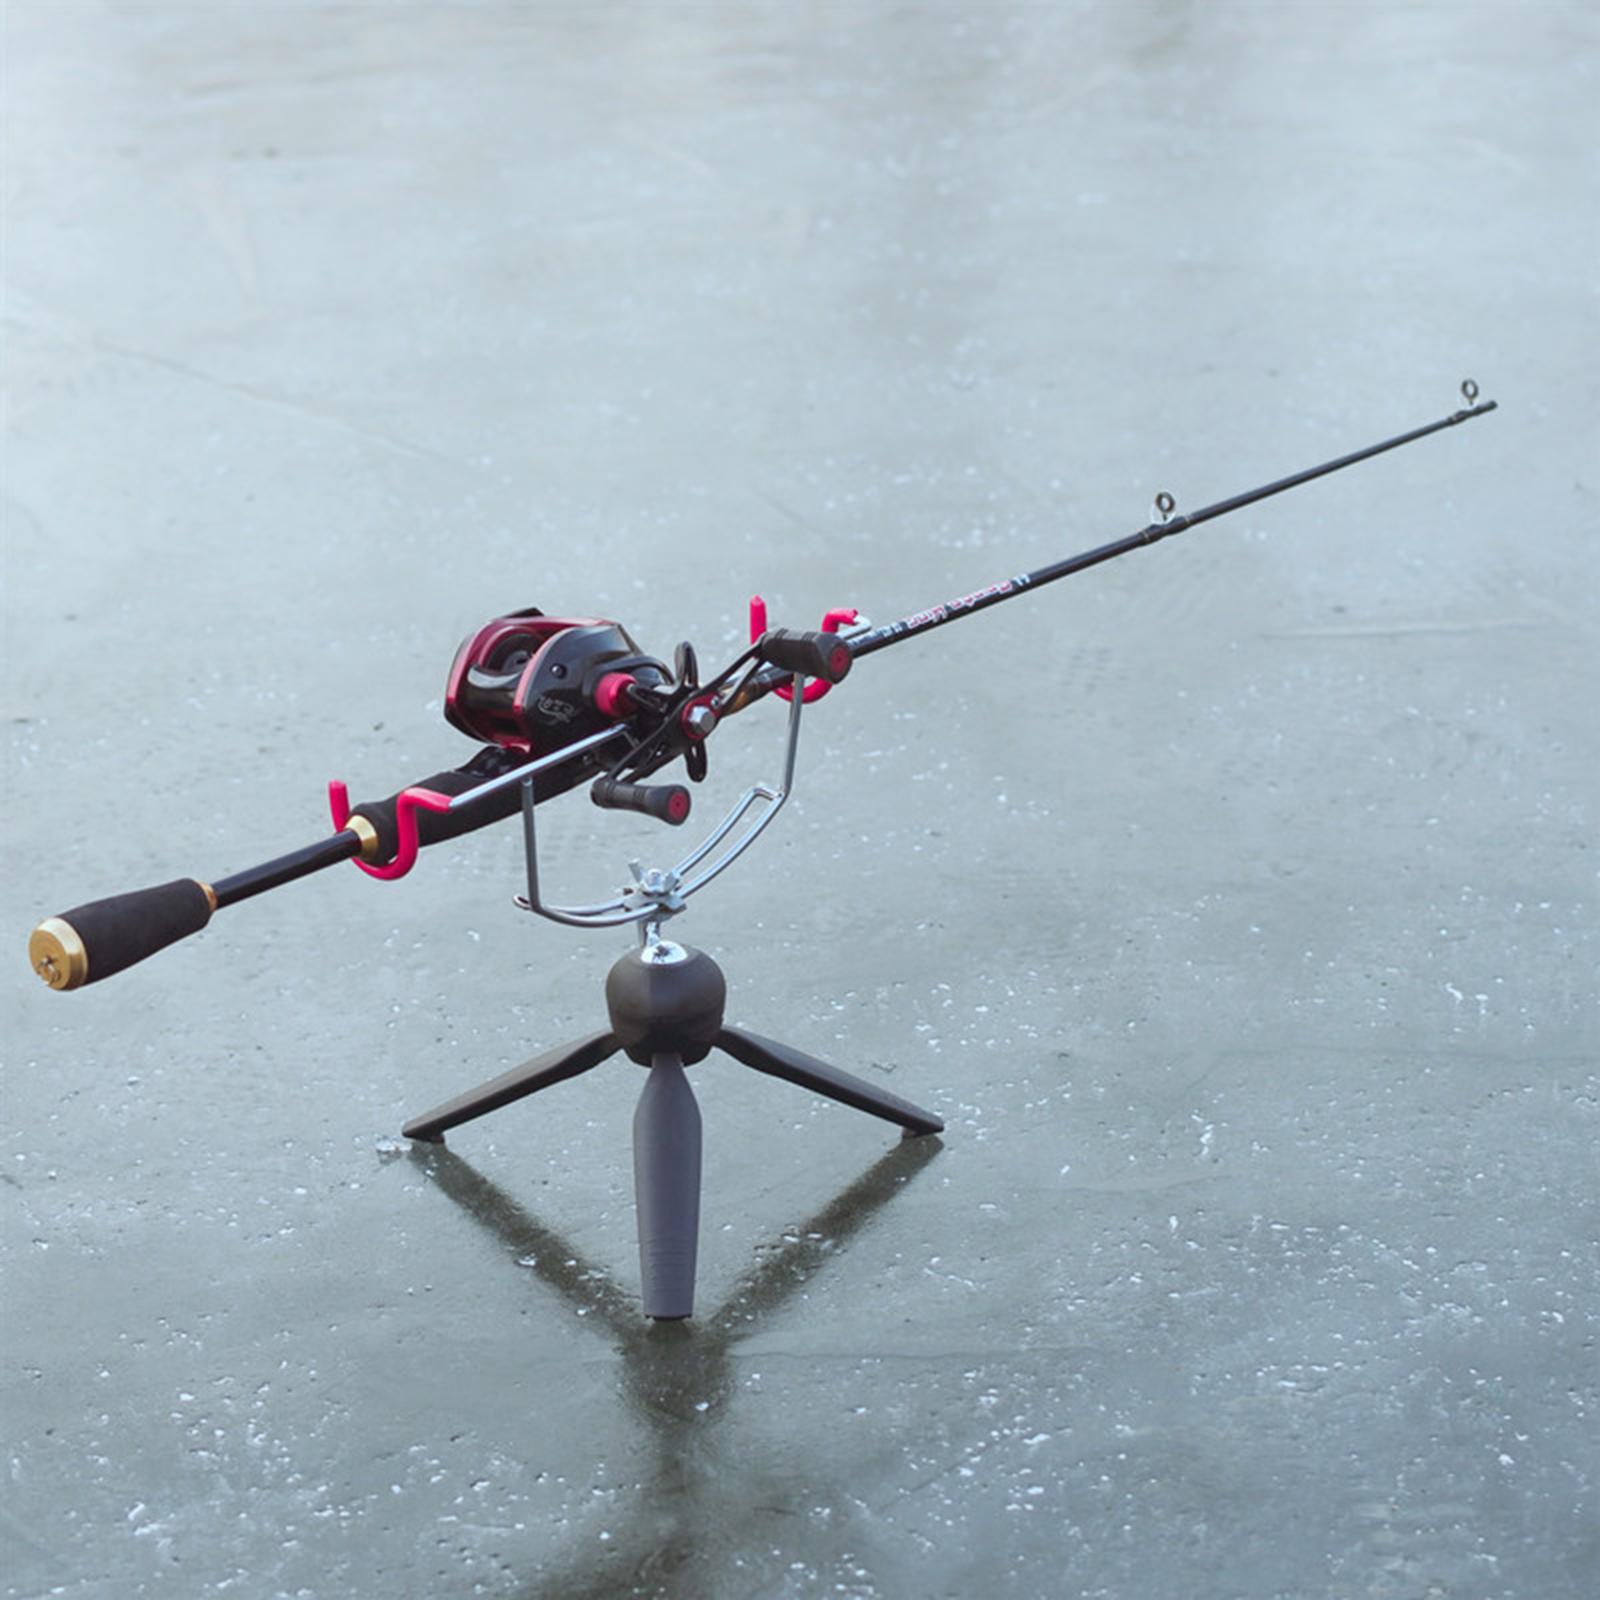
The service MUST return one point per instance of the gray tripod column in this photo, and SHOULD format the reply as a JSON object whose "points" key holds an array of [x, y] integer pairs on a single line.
{"points": [[666, 1182]]}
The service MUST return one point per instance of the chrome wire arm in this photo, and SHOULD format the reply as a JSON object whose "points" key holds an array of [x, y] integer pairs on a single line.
{"points": [[525, 773], [657, 893]]}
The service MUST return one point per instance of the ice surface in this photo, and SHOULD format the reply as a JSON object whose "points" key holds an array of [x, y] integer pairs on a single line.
{"points": [[1234, 903]]}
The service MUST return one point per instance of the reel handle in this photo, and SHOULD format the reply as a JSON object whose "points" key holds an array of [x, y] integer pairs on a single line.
{"points": [[667, 802], [101, 938], [817, 655]]}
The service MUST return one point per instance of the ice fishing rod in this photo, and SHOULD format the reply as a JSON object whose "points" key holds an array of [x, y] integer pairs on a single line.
{"points": [[555, 702]]}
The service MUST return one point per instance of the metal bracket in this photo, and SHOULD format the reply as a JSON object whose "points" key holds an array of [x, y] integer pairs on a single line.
{"points": [[657, 893]]}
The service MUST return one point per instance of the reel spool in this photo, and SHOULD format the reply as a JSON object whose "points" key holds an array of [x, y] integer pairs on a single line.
{"points": [[531, 683]]}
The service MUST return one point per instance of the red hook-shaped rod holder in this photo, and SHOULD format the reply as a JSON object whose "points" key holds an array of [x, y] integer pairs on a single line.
{"points": [[830, 624], [405, 822]]}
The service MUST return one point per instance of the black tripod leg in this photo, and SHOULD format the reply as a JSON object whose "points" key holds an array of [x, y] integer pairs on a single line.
{"points": [[795, 1066], [567, 1061], [666, 1183]]}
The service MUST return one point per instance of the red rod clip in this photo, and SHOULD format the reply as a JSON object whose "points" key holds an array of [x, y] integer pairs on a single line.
{"points": [[405, 823], [830, 624]]}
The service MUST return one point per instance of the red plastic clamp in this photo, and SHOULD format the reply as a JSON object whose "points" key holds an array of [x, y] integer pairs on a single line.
{"points": [[405, 821]]}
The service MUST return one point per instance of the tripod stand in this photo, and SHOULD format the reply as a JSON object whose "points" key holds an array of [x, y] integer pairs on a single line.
{"points": [[666, 1002]]}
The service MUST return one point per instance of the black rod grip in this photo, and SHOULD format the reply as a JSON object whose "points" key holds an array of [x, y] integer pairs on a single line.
{"points": [[434, 826], [817, 655], [667, 802], [96, 940]]}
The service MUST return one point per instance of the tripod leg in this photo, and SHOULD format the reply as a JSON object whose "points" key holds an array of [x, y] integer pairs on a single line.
{"points": [[666, 1183], [567, 1061], [795, 1066]]}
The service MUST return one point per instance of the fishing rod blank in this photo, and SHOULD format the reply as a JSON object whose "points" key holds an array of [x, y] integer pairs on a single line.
{"points": [[554, 702]]}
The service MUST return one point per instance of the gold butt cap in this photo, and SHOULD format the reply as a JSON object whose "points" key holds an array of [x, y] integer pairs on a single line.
{"points": [[57, 954]]}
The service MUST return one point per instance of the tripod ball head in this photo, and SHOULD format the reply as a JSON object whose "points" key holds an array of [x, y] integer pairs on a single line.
{"points": [[666, 998]]}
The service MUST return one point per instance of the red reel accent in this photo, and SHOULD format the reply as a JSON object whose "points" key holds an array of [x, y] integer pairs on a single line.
{"points": [[518, 681], [611, 694]]}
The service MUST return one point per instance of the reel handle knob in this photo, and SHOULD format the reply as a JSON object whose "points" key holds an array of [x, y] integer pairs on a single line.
{"points": [[667, 802], [817, 655], [96, 940]]}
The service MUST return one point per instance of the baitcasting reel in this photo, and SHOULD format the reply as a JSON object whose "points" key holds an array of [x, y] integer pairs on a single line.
{"points": [[534, 684]]}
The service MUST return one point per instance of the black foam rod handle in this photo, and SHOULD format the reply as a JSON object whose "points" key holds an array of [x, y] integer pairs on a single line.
{"points": [[96, 940], [434, 826], [817, 655]]}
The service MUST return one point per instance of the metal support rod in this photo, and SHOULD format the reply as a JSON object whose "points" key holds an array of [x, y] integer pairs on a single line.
{"points": [[530, 842], [530, 769]]}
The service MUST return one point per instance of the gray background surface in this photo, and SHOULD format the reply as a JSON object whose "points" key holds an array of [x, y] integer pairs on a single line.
{"points": [[1233, 903]]}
